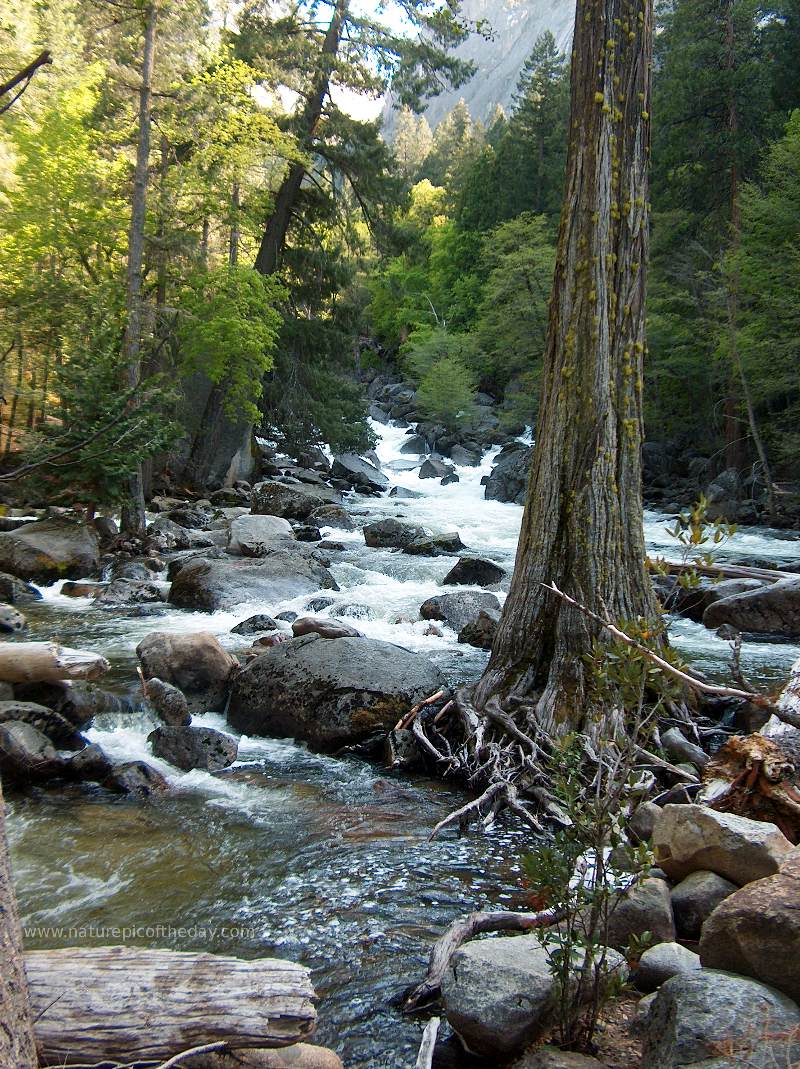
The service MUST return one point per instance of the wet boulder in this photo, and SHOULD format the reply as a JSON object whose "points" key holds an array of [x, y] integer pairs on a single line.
{"points": [[445, 544], [12, 621], [168, 701], [254, 625], [359, 473], [189, 747], [90, 764], [391, 533], [458, 610], [331, 693], [332, 516], [434, 468], [290, 501], [284, 572], [697, 1012], [130, 592], [26, 754], [249, 533], [46, 550], [324, 626], [137, 779], [480, 632], [14, 591], [195, 663], [773, 609], [60, 731], [687, 838], [473, 571], [508, 480], [164, 535], [402, 494]]}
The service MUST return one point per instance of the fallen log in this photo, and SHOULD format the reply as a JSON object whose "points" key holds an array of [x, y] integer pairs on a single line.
{"points": [[718, 571], [129, 1004], [47, 662]]}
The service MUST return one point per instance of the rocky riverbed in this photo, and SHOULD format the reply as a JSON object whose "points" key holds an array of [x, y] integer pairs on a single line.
{"points": [[311, 856]]}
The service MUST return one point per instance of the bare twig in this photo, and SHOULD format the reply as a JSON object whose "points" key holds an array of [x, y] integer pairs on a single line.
{"points": [[406, 720]]}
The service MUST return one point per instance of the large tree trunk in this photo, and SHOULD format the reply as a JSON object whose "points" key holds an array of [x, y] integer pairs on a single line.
{"points": [[129, 1004], [17, 1048], [582, 526], [133, 519]]}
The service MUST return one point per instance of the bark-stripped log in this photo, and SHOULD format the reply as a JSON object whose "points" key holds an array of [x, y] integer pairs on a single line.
{"points": [[47, 662], [128, 1003]]}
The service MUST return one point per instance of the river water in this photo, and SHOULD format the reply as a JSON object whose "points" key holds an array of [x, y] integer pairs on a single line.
{"points": [[319, 859]]}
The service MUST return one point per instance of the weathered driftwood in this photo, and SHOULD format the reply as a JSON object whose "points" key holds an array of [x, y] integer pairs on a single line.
{"points": [[753, 777], [298, 1056], [428, 1044], [720, 571], [47, 662], [126, 1003]]}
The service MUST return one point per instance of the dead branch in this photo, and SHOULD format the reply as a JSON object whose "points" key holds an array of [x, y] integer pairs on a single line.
{"points": [[23, 79], [406, 720], [718, 571], [461, 931], [426, 1047]]}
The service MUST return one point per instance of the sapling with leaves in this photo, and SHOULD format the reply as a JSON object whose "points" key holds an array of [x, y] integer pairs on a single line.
{"points": [[693, 530]]}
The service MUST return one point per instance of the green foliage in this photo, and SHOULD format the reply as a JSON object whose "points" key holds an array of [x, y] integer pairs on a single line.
{"points": [[228, 330], [446, 393]]}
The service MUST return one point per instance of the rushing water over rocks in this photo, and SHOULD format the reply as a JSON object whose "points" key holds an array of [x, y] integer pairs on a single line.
{"points": [[320, 859]]}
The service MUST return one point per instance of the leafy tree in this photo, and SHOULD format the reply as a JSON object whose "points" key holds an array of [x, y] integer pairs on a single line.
{"points": [[446, 393]]}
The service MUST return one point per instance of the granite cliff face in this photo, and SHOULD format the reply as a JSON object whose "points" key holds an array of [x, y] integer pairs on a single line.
{"points": [[515, 24]]}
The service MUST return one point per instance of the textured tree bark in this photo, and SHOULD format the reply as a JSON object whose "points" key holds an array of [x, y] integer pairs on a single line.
{"points": [[128, 1003], [133, 519], [17, 1047], [582, 526]]}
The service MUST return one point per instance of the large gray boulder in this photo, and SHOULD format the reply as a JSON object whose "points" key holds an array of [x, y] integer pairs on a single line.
{"points": [[391, 534], [695, 898], [646, 907], [458, 610], [332, 516], [129, 592], [500, 994], [26, 755], [688, 838], [250, 534], [756, 932], [773, 610], [661, 962], [194, 663], [329, 692], [698, 1014], [445, 544], [294, 502], [508, 480], [190, 747], [284, 572], [358, 473], [473, 571], [165, 534], [46, 550], [14, 591]]}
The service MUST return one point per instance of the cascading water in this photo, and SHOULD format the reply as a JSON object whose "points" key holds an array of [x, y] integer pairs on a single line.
{"points": [[320, 859]]}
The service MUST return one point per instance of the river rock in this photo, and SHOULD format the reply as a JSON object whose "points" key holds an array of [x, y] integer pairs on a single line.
{"points": [[416, 444], [434, 468], [472, 571], [464, 458], [500, 994], [26, 755], [165, 535], [253, 625], [358, 473], [773, 609], [285, 572], [391, 533], [756, 932], [403, 494], [12, 621], [458, 610], [646, 907], [695, 898], [127, 569], [15, 591], [189, 747], [46, 550], [195, 663], [279, 499], [658, 963], [332, 516], [169, 702], [129, 592], [89, 764], [696, 1013], [137, 779], [249, 533], [324, 626], [508, 480], [445, 544], [51, 724], [480, 632], [330, 693], [641, 822], [73, 588], [450, 478], [688, 838]]}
